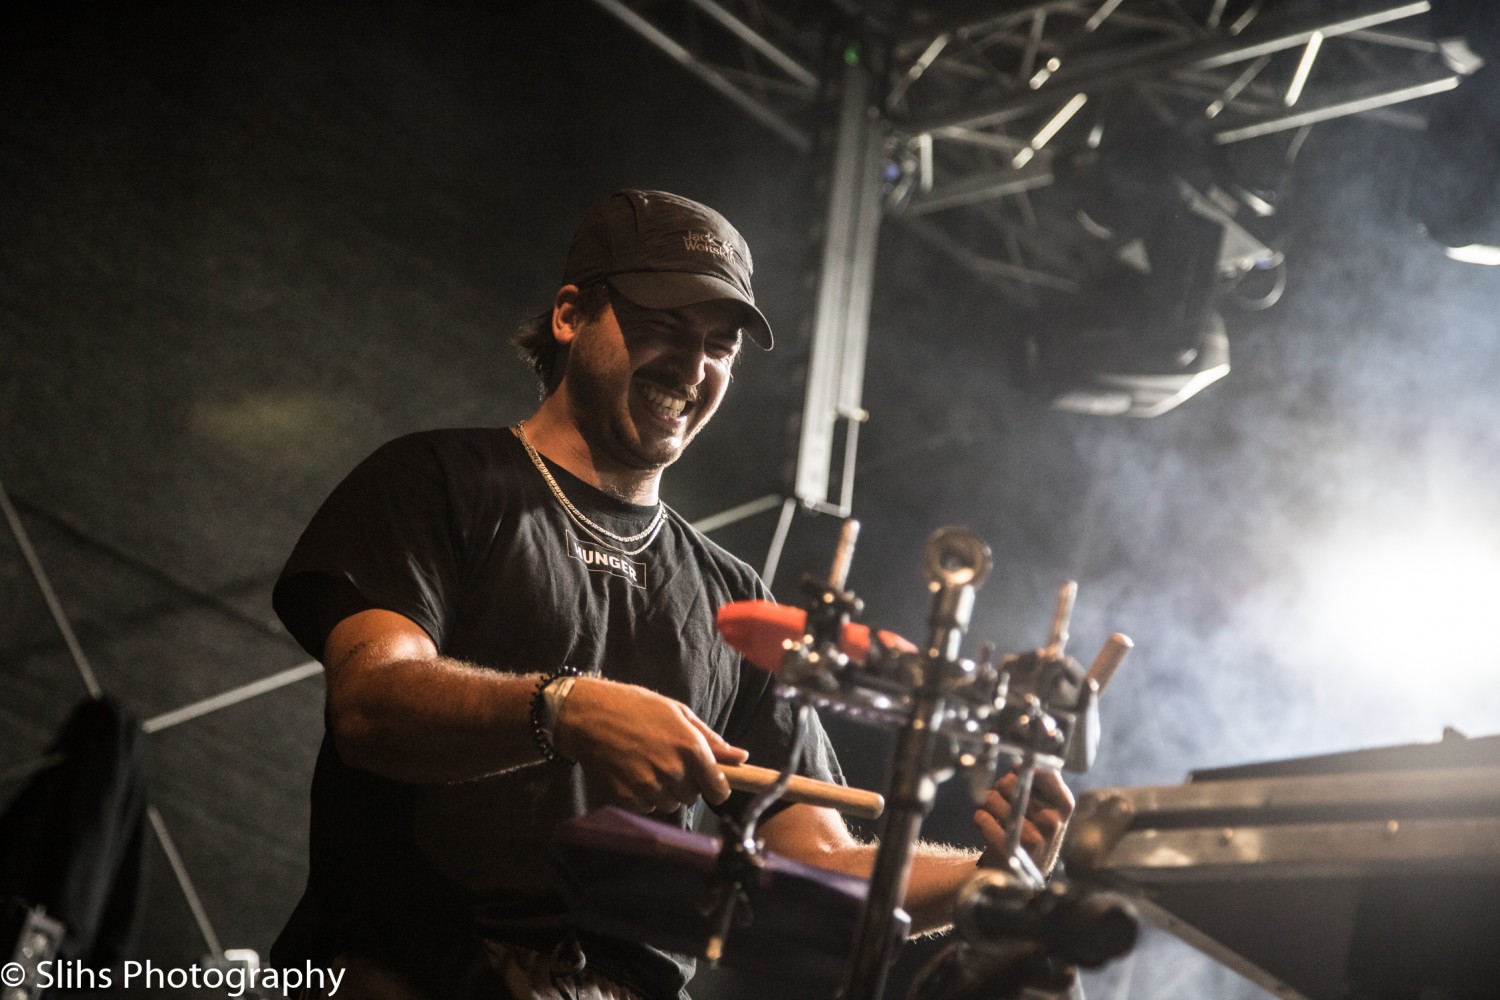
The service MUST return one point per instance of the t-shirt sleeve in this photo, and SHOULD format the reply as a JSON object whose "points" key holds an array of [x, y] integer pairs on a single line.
{"points": [[385, 538]]}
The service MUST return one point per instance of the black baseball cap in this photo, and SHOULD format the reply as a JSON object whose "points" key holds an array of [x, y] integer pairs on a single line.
{"points": [[664, 251]]}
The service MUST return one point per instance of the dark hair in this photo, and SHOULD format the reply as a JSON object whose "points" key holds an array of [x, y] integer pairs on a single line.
{"points": [[541, 351]]}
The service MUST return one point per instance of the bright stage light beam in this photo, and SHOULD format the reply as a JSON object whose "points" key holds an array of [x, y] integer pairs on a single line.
{"points": [[1420, 608]]}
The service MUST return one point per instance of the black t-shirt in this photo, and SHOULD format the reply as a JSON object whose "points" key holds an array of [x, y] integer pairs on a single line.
{"points": [[457, 531]]}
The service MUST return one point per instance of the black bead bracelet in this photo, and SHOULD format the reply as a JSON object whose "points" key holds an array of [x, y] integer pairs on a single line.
{"points": [[539, 734]]}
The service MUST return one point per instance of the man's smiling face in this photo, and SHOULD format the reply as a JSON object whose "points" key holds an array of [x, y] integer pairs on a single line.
{"points": [[641, 383]]}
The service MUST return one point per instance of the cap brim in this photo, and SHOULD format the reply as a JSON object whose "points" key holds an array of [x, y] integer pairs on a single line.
{"points": [[675, 289]]}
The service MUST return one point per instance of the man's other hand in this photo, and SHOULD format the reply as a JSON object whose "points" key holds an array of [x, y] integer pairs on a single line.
{"points": [[1047, 814]]}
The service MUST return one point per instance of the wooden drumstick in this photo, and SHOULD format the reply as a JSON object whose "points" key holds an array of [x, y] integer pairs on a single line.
{"points": [[854, 801], [1108, 661]]}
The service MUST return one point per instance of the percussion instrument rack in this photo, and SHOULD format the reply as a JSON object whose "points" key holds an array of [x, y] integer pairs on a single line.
{"points": [[1036, 710]]}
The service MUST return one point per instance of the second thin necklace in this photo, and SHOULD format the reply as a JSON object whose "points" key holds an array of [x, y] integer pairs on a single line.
{"points": [[598, 532]]}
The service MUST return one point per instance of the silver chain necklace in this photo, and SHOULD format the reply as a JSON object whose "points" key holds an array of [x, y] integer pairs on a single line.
{"points": [[600, 534]]}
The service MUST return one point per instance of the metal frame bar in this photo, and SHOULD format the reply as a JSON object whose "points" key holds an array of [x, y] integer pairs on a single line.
{"points": [[841, 322], [778, 540], [233, 696], [1227, 957], [166, 720], [716, 80], [739, 29], [184, 881], [738, 513], [1033, 34], [1111, 71], [981, 187], [1304, 69], [986, 267], [1291, 38], [1336, 109], [54, 606]]}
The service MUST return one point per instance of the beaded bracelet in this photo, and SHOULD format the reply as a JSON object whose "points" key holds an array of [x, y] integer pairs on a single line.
{"points": [[540, 734]]}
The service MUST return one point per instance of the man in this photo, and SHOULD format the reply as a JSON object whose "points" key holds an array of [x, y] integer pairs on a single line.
{"points": [[516, 630]]}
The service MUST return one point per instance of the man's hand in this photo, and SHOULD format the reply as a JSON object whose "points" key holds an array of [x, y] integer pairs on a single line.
{"points": [[1047, 815], [649, 753]]}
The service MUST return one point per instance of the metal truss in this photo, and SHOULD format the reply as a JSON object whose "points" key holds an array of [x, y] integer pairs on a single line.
{"points": [[989, 102], [763, 57], [1002, 106], [991, 114]]}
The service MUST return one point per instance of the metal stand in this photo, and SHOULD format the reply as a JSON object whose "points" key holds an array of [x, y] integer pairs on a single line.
{"points": [[841, 320], [909, 801], [958, 564], [1033, 710]]}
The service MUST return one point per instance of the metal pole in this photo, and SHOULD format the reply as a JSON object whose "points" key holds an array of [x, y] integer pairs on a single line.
{"points": [[907, 805], [737, 513], [184, 882], [59, 617], [784, 62], [778, 540], [841, 321], [1338, 109], [233, 696], [684, 58]]}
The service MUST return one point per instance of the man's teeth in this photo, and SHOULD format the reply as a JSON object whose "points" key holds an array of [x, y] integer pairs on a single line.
{"points": [[670, 405]]}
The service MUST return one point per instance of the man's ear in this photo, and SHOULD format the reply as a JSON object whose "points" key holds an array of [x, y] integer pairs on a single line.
{"points": [[567, 319]]}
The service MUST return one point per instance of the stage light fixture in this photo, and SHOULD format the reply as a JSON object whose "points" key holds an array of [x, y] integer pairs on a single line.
{"points": [[1105, 370], [1146, 335], [1456, 184]]}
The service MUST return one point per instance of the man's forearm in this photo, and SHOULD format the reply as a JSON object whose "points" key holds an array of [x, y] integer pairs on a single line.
{"points": [[818, 836], [467, 723], [398, 709], [937, 873]]}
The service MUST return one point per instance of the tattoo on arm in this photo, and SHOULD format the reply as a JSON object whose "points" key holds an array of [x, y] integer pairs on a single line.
{"points": [[354, 651]]}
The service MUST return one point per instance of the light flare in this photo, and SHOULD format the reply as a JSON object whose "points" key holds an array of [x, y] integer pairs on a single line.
{"points": [[1419, 606]]}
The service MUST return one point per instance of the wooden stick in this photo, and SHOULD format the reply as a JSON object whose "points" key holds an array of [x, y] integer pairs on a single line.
{"points": [[1109, 659], [854, 801]]}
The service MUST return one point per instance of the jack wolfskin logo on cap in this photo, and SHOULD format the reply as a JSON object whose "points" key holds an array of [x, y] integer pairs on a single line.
{"points": [[708, 243], [663, 251]]}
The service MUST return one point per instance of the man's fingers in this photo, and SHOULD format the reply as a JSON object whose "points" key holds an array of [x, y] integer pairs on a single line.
{"points": [[1049, 793], [1048, 809], [1049, 821], [684, 789], [647, 796], [993, 831], [989, 828], [1049, 787], [713, 751], [684, 774], [722, 750], [652, 749], [996, 811], [708, 778], [665, 802]]}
